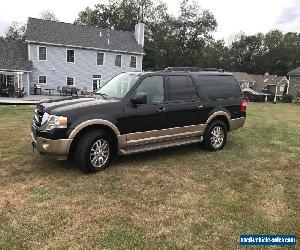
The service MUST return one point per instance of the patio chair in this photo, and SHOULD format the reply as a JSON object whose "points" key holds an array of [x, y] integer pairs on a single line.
{"points": [[20, 93]]}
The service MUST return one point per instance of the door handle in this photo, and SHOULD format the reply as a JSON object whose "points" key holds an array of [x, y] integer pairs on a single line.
{"points": [[161, 110], [199, 107]]}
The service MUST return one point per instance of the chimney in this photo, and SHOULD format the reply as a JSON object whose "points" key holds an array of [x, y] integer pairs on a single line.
{"points": [[139, 33]]}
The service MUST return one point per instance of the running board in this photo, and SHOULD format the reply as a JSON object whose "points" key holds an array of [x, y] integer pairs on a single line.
{"points": [[159, 145]]}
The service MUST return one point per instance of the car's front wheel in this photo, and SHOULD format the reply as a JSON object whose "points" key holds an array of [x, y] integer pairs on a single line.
{"points": [[215, 136], [94, 151]]}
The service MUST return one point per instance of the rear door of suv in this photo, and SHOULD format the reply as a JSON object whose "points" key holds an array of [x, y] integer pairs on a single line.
{"points": [[184, 102]]}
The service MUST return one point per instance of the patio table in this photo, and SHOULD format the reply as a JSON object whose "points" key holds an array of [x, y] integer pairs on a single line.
{"points": [[49, 91]]}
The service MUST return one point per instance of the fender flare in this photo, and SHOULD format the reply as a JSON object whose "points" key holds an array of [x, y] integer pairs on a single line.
{"points": [[87, 123], [218, 113]]}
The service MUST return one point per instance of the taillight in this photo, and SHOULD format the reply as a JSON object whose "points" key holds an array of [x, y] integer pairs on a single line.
{"points": [[243, 105]]}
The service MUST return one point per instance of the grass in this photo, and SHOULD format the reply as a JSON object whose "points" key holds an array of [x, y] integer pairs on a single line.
{"points": [[182, 197]]}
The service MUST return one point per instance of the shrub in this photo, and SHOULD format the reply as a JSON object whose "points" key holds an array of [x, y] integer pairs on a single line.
{"points": [[287, 98]]}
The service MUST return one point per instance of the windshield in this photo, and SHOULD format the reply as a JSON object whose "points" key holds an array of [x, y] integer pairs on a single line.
{"points": [[118, 86]]}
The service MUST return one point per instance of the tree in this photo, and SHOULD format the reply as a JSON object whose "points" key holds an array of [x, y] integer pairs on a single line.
{"points": [[16, 31], [48, 15], [169, 41]]}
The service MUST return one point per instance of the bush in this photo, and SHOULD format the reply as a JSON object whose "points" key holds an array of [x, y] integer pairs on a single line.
{"points": [[287, 98]]}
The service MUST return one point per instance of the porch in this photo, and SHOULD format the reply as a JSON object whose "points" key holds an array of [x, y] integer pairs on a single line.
{"points": [[12, 81]]}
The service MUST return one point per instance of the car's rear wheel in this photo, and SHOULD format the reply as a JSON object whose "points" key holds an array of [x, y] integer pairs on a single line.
{"points": [[215, 135], [94, 151]]}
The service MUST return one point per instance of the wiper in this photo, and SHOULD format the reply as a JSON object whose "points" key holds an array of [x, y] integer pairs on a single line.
{"points": [[105, 96]]}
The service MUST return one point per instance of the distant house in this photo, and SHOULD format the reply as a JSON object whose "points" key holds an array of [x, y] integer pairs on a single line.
{"points": [[56, 54], [245, 80], [262, 87], [294, 82], [277, 85]]}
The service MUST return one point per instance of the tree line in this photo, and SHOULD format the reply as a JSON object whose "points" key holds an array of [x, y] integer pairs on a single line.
{"points": [[187, 40]]}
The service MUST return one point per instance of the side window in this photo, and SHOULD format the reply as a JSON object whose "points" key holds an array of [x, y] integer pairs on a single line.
{"points": [[179, 88], [153, 87], [219, 87]]}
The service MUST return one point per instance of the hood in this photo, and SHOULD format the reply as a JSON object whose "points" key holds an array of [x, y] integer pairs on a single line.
{"points": [[60, 106]]}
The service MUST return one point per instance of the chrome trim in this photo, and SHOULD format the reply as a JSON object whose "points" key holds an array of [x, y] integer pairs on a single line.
{"points": [[93, 122], [164, 132], [237, 123], [99, 153]]}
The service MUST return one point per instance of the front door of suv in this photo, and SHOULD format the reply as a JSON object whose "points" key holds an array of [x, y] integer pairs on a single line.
{"points": [[185, 105], [145, 120]]}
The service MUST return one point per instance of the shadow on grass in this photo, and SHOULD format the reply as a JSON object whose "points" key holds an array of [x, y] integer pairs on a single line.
{"points": [[46, 165]]}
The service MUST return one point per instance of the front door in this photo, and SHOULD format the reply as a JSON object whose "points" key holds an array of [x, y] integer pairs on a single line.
{"points": [[96, 82], [146, 119]]}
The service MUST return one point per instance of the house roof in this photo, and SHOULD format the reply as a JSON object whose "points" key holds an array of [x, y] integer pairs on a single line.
{"points": [[261, 81], [59, 33], [243, 77], [14, 56], [294, 72]]}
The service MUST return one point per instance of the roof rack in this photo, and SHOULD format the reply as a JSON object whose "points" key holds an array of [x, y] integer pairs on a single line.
{"points": [[154, 69], [192, 69]]}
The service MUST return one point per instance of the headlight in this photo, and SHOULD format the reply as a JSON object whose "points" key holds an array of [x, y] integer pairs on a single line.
{"points": [[54, 121]]}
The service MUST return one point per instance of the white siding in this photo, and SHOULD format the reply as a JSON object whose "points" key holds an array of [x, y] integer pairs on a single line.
{"points": [[57, 69]]}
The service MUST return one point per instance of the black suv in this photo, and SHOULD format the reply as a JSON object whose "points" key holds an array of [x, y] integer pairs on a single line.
{"points": [[141, 111]]}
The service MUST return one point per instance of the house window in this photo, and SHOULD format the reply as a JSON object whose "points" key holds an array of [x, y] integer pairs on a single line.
{"points": [[96, 82], [118, 61], [70, 56], [282, 87], [100, 58], [42, 79], [133, 62], [42, 51], [70, 80]]}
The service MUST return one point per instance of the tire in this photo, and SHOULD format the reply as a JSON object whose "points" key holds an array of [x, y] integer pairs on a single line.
{"points": [[94, 151], [215, 136]]}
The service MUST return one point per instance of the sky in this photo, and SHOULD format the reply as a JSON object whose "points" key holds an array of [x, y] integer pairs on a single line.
{"points": [[233, 16]]}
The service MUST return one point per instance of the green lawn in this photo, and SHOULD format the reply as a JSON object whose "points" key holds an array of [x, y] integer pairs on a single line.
{"points": [[182, 197]]}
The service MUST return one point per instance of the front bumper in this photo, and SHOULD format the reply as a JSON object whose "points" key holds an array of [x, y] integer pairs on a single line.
{"points": [[59, 148]]}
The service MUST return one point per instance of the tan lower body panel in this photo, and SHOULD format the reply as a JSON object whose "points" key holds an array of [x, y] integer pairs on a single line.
{"points": [[156, 139], [153, 136], [237, 123], [56, 148]]}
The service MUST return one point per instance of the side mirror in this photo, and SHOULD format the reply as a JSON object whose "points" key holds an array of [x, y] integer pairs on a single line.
{"points": [[139, 98]]}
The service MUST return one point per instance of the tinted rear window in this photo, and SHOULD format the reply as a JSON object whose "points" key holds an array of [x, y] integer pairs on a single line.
{"points": [[219, 87], [179, 88]]}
